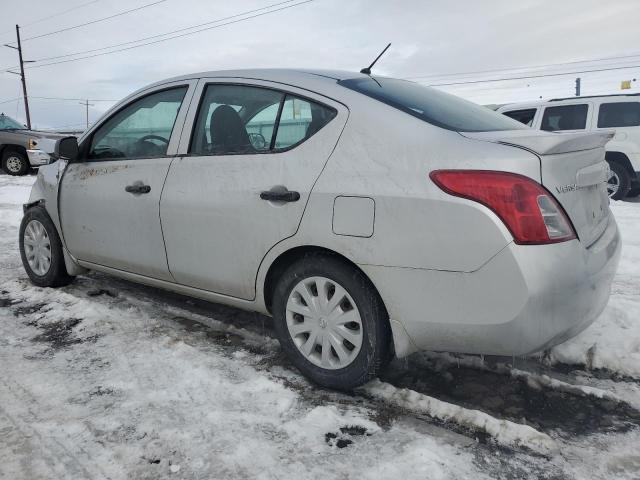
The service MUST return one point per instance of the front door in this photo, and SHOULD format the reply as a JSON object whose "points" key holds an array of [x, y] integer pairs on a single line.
{"points": [[254, 154], [109, 201]]}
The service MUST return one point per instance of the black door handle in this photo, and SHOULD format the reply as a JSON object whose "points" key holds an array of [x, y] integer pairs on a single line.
{"points": [[280, 196], [137, 188]]}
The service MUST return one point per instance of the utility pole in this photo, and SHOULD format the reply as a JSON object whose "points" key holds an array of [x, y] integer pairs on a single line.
{"points": [[87, 105], [578, 87], [24, 82]]}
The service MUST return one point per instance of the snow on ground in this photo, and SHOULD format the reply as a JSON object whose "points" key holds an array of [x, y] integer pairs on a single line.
{"points": [[613, 341], [107, 379]]}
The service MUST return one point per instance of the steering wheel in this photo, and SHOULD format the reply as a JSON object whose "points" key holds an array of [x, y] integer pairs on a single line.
{"points": [[153, 137]]}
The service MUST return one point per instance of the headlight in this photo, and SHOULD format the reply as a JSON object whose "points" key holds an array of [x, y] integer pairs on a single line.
{"points": [[32, 144]]}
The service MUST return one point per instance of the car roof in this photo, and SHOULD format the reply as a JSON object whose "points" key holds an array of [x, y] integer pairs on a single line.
{"points": [[630, 97], [304, 78], [324, 82]]}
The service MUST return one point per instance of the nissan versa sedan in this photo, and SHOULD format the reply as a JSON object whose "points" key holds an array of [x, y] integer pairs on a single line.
{"points": [[370, 216]]}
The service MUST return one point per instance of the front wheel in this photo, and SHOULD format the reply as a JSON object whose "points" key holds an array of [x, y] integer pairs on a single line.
{"points": [[15, 162], [331, 322], [619, 182], [41, 250]]}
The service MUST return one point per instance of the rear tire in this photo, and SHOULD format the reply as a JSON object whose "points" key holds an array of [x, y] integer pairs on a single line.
{"points": [[634, 192], [41, 250], [619, 183], [351, 336], [15, 163]]}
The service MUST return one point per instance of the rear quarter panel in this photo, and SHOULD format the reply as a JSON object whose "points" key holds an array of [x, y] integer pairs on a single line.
{"points": [[387, 155]]}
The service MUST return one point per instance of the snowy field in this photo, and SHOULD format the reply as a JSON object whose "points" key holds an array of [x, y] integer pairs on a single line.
{"points": [[107, 379]]}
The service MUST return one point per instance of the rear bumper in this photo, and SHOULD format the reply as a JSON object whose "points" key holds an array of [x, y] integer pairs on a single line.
{"points": [[525, 299]]}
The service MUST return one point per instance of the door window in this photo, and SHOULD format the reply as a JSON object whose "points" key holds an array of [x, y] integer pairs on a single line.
{"points": [[235, 119], [238, 119], [522, 116], [565, 117], [141, 130], [619, 114]]}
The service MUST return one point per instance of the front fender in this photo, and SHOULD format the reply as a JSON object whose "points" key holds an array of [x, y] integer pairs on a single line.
{"points": [[44, 193]]}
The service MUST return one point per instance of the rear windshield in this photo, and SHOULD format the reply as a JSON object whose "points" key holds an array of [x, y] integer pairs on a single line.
{"points": [[432, 106]]}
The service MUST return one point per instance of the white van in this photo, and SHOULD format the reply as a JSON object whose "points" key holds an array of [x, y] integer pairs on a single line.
{"points": [[619, 113]]}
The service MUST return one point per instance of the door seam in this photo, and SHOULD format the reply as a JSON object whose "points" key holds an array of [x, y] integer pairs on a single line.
{"points": [[164, 243]]}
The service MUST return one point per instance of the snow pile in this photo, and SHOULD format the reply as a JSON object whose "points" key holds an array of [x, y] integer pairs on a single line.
{"points": [[613, 341], [503, 432]]}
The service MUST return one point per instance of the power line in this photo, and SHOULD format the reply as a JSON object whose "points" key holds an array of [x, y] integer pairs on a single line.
{"points": [[162, 34], [11, 100], [467, 82], [95, 21], [175, 36], [60, 13], [72, 99], [531, 67]]}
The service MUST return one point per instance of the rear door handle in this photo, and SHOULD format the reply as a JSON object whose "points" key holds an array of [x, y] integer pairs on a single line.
{"points": [[137, 188], [280, 196]]}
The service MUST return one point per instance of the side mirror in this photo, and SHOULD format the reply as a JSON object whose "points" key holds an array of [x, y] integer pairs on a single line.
{"points": [[67, 148]]}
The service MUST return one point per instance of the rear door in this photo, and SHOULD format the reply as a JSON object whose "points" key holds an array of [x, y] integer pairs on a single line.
{"points": [[110, 200], [252, 151]]}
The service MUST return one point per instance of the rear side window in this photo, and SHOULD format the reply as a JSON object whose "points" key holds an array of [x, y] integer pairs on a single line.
{"points": [[522, 116], [243, 119], [299, 120], [565, 117], [619, 114], [431, 105]]}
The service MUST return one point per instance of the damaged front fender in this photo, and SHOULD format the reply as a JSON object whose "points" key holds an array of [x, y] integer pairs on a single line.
{"points": [[44, 193]]}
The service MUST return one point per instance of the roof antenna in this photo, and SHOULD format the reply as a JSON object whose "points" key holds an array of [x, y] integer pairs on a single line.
{"points": [[367, 70]]}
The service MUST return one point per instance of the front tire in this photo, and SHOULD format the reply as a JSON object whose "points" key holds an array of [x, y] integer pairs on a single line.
{"points": [[331, 322], [619, 182], [41, 250], [15, 163]]}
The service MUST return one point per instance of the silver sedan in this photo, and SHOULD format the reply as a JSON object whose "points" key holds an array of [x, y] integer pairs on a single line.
{"points": [[369, 216]]}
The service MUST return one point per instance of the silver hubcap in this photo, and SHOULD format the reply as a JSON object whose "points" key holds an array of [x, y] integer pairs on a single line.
{"points": [[14, 164], [613, 183], [37, 247], [324, 323]]}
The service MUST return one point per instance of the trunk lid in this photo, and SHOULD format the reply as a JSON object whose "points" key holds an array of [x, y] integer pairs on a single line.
{"points": [[572, 168]]}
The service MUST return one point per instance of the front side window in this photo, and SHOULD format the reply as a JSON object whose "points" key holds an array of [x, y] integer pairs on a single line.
{"points": [[619, 114], [523, 116], [141, 130], [240, 119], [565, 117], [431, 105]]}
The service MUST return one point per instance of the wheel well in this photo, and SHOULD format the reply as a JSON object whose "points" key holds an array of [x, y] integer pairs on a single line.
{"points": [[622, 159], [19, 148], [287, 258]]}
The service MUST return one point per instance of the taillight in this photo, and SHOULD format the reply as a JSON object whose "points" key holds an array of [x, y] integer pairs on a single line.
{"points": [[528, 210]]}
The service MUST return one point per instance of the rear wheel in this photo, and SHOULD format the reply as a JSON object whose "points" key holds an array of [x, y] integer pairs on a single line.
{"points": [[15, 162], [331, 322], [634, 192], [41, 250], [619, 182]]}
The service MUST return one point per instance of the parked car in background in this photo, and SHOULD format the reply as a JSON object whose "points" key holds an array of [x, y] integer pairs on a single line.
{"points": [[610, 113], [370, 216], [20, 147]]}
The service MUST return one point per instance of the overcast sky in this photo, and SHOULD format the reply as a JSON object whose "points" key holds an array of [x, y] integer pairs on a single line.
{"points": [[428, 38]]}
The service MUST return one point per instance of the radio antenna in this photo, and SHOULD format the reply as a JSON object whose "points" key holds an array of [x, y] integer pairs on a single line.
{"points": [[367, 70]]}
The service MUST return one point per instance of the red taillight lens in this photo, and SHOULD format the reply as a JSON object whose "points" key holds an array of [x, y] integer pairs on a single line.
{"points": [[528, 210]]}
